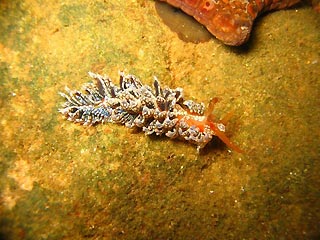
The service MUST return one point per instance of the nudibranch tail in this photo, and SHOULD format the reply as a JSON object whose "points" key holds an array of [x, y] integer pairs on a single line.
{"points": [[158, 110]]}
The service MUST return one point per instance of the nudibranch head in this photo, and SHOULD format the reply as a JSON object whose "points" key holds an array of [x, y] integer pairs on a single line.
{"points": [[200, 129]]}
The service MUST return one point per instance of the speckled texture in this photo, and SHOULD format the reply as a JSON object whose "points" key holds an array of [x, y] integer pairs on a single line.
{"points": [[229, 21], [63, 181]]}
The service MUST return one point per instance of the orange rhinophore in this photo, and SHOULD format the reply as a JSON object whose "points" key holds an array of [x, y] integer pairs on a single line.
{"points": [[229, 21], [206, 123]]}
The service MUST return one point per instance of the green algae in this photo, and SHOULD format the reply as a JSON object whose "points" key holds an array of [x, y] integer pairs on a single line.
{"points": [[72, 13]]}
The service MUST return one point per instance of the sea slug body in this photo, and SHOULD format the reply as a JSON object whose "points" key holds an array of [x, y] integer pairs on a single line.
{"points": [[157, 110]]}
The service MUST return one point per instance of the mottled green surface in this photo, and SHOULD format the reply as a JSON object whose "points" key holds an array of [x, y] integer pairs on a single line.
{"points": [[63, 181]]}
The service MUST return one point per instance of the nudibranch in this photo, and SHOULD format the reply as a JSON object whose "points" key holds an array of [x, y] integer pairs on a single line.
{"points": [[230, 21], [158, 110]]}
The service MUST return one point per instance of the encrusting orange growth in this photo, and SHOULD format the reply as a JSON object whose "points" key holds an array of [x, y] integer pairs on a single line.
{"points": [[229, 21]]}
